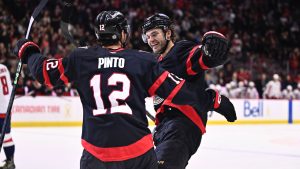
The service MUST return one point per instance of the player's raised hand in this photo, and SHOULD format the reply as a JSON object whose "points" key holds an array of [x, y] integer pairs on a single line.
{"points": [[67, 2], [24, 48], [67, 10], [215, 47]]}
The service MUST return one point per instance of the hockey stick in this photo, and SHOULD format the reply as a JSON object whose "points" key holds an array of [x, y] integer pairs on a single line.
{"points": [[150, 116], [35, 13], [66, 33]]}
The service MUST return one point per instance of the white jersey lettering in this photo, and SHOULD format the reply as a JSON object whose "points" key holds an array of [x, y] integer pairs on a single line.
{"points": [[111, 62]]}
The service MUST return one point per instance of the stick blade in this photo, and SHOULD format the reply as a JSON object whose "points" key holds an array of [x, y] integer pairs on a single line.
{"points": [[38, 9]]}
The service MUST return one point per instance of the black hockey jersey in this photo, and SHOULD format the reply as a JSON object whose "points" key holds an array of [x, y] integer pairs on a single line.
{"points": [[112, 86], [185, 60]]}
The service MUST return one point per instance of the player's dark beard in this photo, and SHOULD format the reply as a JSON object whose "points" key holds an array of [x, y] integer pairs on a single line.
{"points": [[164, 48], [158, 54]]}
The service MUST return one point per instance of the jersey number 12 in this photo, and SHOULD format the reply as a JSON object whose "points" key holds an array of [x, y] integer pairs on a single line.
{"points": [[114, 96]]}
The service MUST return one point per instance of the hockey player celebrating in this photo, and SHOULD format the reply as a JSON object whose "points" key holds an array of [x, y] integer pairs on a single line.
{"points": [[112, 83], [176, 137], [5, 91]]}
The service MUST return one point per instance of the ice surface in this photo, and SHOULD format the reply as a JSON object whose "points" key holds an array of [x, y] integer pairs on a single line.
{"points": [[223, 147]]}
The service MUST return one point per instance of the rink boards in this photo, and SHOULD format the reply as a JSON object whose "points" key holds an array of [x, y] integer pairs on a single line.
{"points": [[67, 111]]}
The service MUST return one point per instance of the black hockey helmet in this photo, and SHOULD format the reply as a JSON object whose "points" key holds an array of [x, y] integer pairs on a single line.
{"points": [[158, 20], [109, 25]]}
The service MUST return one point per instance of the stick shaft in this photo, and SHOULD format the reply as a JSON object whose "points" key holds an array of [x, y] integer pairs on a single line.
{"points": [[36, 11]]}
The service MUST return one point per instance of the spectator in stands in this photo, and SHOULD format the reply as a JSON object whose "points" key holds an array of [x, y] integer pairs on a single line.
{"points": [[237, 45], [243, 74], [252, 26], [294, 60], [297, 92], [273, 88], [251, 92], [241, 90], [260, 83], [288, 93], [288, 81], [226, 91]]}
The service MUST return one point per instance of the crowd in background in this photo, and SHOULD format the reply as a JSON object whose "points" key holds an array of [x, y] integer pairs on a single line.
{"points": [[264, 35]]}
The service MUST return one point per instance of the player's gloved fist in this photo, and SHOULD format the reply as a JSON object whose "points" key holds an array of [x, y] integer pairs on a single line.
{"points": [[67, 2], [222, 105], [67, 10], [24, 48], [215, 47]]}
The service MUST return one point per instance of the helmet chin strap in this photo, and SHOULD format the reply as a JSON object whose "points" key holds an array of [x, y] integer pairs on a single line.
{"points": [[124, 43]]}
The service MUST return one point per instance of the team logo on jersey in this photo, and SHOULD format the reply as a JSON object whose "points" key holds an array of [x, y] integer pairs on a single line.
{"points": [[157, 100], [160, 162]]}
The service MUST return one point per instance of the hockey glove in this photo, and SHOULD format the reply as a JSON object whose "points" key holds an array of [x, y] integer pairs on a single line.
{"points": [[215, 47], [67, 10], [223, 106], [67, 2], [24, 48]]}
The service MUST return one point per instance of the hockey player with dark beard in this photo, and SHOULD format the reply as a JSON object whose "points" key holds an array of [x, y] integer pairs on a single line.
{"points": [[176, 137], [113, 83]]}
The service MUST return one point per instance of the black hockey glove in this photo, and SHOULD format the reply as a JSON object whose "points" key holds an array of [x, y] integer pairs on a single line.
{"points": [[66, 2], [215, 47], [222, 105], [67, 10], [24, 48]]}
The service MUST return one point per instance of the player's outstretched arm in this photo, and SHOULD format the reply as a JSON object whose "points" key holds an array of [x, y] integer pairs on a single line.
{"points": [[46, 71], [221, 104]]}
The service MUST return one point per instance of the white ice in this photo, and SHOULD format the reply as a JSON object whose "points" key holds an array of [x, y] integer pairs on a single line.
{"points": [[222, 147]]}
